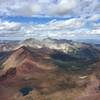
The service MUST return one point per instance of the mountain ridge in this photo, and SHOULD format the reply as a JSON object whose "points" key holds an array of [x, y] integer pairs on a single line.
{"points": [[49, 72]]}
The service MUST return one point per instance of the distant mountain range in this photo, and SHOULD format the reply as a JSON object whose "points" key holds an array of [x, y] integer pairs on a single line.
{"points": [[54, 43], [76, 49]]}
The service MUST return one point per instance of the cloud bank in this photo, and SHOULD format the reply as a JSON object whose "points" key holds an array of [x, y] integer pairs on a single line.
{"points": [[69, 28], [84, 18], [49, 7]]}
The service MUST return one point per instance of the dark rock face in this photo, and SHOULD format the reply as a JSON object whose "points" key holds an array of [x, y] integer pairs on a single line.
{"points": [[10, 73], [63, 56], [25, 90]]}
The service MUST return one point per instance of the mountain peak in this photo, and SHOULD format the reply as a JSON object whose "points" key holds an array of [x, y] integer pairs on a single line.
{"points": [[17, 56]]}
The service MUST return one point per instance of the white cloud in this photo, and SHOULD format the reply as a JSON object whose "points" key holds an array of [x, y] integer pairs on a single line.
{"points": [[69, 28], [50, 7], [12, 26], [70, 24], [95, 32], [94, 17], [87, 8], [85, 21], [34, 7], [62, 7]]}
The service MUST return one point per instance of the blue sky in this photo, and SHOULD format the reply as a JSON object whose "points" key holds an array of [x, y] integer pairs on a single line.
{"points": [[70, 19]]}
